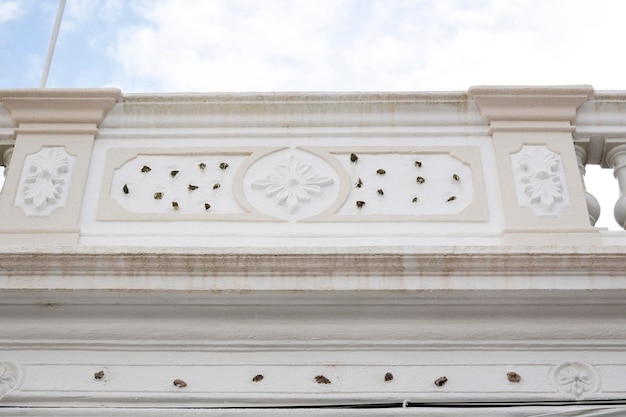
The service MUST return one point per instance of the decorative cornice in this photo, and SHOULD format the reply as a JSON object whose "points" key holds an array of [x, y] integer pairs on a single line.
{"points": [[591, 270], [431, 111], [530, 104], [66, 110]]}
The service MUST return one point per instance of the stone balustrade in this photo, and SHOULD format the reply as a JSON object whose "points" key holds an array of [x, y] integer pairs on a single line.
{"points": [[496, 165]]}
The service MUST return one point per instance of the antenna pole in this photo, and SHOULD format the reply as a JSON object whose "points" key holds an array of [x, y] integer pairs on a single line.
{"points": [[53, 42]]}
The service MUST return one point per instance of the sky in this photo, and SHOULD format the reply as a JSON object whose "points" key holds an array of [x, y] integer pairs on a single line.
{"points": [[318, 45], [315, 45]]}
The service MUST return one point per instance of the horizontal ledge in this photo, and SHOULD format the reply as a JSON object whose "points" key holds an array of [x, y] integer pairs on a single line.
{"points": [[530, 126], [54, 93], [297, 132], [274, 410], [532, 90], [416, 260], [296, 97], [174, 294], [57, 129], [297, 404], [587, 270]]}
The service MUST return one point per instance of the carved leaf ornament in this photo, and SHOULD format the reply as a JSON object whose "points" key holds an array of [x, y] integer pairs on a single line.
{"points": [[8, 378], [540, 180], [542, 183], [292, 183], [46, 178]]}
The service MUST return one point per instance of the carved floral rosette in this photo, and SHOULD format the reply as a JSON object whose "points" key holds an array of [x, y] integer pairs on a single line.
{"points": [[9, 378], [576, 379], [291, 184]]}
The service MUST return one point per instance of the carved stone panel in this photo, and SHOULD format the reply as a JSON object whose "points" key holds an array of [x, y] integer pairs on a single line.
{"points": [[177, 184], [45, 181], [406, 183], [297, 184], [540, 180]]}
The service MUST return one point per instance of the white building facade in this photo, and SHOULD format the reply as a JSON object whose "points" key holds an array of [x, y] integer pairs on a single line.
{"points": [[311, 254]]}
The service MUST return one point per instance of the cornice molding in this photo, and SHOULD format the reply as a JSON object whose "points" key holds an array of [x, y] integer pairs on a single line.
{"points": [[40, 110], [365, 111], [511, 103], [578, 272]]}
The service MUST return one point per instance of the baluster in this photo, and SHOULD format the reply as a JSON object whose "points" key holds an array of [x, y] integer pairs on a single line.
{"points": [[616, 159], [593, 207], [6, 157]]}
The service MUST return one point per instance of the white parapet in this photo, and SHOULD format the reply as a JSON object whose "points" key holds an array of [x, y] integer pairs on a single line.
{"points": [[296, 169], [230, 254]]}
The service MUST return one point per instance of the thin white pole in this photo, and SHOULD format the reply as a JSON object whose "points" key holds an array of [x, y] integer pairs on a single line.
{"points": [[53, 42]]}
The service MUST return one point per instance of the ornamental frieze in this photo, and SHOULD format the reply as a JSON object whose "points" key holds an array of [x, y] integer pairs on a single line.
{"points": [[295, 184]]}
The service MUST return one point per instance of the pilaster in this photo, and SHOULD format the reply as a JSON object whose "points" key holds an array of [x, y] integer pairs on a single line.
{"points": [[539, 179], [54, 134]]}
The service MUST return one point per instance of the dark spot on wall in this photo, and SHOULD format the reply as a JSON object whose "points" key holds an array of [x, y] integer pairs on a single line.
{"points": [[321, 379], [513, 377], [180, 383], [441, 381]]}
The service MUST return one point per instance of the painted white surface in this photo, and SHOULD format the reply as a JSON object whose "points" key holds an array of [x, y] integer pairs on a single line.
{"points": [[319, 298], [154, 182]]}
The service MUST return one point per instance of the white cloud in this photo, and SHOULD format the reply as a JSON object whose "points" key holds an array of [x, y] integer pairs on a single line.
{"points": [[10, 10], [77, 12], [238, 45], [531, 42], [241, 45]]}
